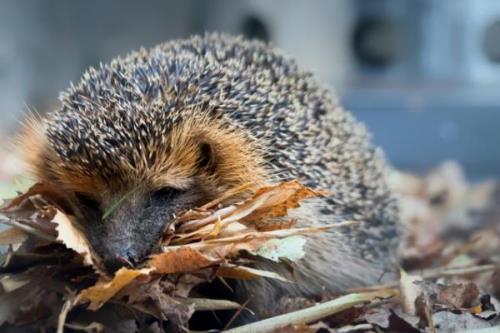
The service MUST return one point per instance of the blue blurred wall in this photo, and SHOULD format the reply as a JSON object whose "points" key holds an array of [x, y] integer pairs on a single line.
{"points": [[424, 75]]}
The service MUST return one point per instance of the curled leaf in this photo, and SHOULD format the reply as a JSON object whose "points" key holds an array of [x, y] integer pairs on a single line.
{"points": [[12, 236], [183, 259], [247, 273], [73, 238], [102, 291]]}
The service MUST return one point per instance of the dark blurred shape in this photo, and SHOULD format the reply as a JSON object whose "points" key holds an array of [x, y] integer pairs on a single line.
{"points": [[492, 41], [377, 41], [254, 28]]}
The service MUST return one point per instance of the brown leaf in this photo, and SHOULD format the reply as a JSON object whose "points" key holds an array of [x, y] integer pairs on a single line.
{"points": [[277, 200], [71, 237], [102, 291], [229, 194], [206, 238], [33, 216], [154, 299], [183, 259], [15, 261], [46, 191], [247, 273], [186, 282], [459, 295], [266, 204], [398, 324], [12, 236]]}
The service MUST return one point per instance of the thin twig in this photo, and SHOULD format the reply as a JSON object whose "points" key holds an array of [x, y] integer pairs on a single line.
{"points": [[314, 313], [428, 317], [281, 233], [28, 229], [64, 313], [232, 192], [208, 304], [435, 273], [236, 314]]}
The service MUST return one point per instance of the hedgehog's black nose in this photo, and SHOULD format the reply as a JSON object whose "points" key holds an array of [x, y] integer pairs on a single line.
{"points": [[115, 263], [133, 230]]}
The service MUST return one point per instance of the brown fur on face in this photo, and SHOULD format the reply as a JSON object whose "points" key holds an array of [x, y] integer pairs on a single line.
{"points": [[197, 161], [197, 152]]}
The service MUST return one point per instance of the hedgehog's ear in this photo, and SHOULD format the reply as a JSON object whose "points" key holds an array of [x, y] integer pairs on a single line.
{"points": [[207, 158]]}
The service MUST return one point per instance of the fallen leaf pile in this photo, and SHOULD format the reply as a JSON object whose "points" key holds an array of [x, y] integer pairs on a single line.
{"points": [[50, 280], [50, 277]]}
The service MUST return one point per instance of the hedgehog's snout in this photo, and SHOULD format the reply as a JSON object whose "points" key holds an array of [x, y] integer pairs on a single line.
{"points": [[126, 243], [129, 233], [128, 257]]}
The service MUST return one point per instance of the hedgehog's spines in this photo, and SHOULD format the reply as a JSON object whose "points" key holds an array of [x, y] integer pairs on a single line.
{"points": [[143, 115]]}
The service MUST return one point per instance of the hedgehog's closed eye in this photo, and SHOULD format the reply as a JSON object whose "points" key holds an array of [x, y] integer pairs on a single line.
{"points": [[166, 192], [87, 201]]}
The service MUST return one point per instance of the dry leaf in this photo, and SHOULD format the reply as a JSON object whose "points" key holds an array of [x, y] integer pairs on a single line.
{"points": [[42, 189], [10, 283], [398, 324], [267, 203], [409, 291], [12, 236], [182, 259], [458, 295], [277, 200], [93, 327], [102, 291], [70, 236], [247, 273], [206, 242]]}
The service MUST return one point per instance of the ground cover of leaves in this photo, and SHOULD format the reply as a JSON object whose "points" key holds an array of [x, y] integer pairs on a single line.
{"points": [[51, 281]]}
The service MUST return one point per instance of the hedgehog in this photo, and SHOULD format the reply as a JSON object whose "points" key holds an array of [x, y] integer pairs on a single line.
{"points": [[159, 131]]}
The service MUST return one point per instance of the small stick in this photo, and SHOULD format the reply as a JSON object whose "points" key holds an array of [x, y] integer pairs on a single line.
{"points": [[436, 273], [232, 192], [28, 229], [236, 314], [428, 317], [282, 233], [315, 312]]}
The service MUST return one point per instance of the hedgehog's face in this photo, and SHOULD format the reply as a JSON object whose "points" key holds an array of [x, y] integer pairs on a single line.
{"points": [[127, 183]]}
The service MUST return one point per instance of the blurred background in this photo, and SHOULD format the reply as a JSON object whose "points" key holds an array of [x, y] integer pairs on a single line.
{"points": [[423, 75]]}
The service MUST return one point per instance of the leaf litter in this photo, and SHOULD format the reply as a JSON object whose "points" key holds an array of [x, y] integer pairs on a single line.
{"points": [[51, 281]]}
